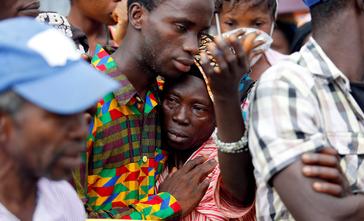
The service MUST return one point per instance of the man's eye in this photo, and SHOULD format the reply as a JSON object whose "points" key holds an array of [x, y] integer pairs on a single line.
{"points": [[181, 28]]}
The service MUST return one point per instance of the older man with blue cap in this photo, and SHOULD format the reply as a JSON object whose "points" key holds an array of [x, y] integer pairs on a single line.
{"points": [[44, 88], [313, 103]]}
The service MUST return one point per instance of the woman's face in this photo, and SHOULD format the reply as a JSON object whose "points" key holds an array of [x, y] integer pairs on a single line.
{"points": [[188, 114], [244, 14], [99, 10]]}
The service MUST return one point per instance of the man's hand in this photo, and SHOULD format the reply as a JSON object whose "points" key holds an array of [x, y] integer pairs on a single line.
{"points": [[325, 166], [188, 184]]}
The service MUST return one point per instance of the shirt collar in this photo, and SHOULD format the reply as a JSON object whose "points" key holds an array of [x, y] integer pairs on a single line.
{"points": [[320, 64], [105, 63]]}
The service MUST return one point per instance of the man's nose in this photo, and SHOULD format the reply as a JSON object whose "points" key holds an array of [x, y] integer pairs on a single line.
{"points": [[191, 44]]}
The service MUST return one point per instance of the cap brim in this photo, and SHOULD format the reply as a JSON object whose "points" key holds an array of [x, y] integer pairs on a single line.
{"points": [[72, 90]]}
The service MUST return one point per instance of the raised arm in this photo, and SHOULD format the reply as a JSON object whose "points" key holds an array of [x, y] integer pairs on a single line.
{"points": [[230, 55]]}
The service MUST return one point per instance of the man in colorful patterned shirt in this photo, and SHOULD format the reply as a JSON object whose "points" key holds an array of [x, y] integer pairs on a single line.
{"points": [[124, 155], [306, 104]]}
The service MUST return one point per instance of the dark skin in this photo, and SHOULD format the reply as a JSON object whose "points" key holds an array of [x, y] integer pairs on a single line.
{"points": [[348, 25], [224, 85], [188, 121], [163, 41], [244, 15], [148, 34], [325, 165], [329, 179], [11, 8], [188, 117], [93, 17], [50, 146]]}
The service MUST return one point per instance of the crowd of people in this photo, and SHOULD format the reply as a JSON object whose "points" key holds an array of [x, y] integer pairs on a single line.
{"points": [[181, 110]]}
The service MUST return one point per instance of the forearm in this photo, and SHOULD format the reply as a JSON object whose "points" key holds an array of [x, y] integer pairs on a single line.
{"points": [[303, 203], [231, 129], [238, 177], [229, 120]]}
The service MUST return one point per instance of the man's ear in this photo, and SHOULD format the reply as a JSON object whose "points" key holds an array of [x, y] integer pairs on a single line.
{"points": [[137, 14], [5, 127]]}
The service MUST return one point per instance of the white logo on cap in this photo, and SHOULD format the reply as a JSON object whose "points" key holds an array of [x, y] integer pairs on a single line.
{"points": [[54, 47]]}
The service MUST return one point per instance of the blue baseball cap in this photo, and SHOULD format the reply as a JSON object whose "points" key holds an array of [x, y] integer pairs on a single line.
{"points": [[311, 3], [42, 65]]}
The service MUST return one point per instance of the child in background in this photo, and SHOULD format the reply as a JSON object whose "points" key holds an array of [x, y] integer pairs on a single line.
{"points": [[94, 17], [258, 14], [120, 15]]}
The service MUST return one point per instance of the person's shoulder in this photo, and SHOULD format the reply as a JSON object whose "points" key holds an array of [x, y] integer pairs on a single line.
{"points": [[61, 191], [291, 69], [274, 56], [62, 194]]}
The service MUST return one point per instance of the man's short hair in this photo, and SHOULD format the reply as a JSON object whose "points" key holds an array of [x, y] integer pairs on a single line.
{"points": [[326, 10]]}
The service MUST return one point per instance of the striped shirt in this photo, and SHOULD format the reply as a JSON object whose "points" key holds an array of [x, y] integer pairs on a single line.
{"points": [[213, 207], [56, 201], [302, 105]]}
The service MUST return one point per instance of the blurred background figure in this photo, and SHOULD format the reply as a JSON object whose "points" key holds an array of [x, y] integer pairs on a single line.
{"points": [[283, 35], [301, 36], [14, 8], [292, 14], [120, 15], [94, 17], [60, 6]]}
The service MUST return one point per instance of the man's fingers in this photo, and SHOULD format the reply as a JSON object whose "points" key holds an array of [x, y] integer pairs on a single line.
{"points": [[328, 188], [320, 172], [204, 185], [330, 151], [320, 159]]}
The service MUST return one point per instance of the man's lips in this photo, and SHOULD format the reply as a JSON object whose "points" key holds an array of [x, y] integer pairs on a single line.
{"points": [[183, 64]]}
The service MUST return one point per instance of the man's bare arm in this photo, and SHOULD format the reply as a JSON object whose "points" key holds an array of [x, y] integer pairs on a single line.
{"points": [[304, 203]]}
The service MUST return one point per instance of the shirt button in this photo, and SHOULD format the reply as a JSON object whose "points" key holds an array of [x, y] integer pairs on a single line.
{"points": [[145, 159]]}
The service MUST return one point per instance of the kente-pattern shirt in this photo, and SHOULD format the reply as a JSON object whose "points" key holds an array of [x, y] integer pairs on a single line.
{"points": [[124, 155], [302, 105]]}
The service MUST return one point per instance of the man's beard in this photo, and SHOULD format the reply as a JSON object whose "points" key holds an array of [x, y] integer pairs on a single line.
{"points": [[149, 59]]}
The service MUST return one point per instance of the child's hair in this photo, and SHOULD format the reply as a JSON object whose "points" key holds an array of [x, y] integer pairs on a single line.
{"points": [[270, 4]]}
